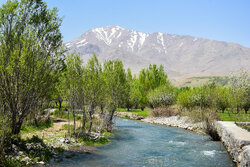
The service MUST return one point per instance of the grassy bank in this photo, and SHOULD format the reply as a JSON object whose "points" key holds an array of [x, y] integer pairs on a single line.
{"points": [[146, 112], [234, 116], [31, 127]]}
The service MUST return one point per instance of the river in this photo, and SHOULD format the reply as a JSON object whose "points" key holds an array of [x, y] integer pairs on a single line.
{"points": [[138, 144]]}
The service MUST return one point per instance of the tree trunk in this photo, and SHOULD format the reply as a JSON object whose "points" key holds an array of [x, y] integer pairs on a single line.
{"points": [[74, 117], [110, 121], [68, 123], [83, 120], [60, 105], [238, 109], [14, 123], [91, 112], [90, 125]]}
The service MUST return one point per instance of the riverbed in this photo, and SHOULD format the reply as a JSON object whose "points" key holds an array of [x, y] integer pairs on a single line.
{"points": [[138, 144]]}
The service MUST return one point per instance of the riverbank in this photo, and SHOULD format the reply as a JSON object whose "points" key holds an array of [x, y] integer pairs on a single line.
{"points": [[177, 121], [174, 121], [52, 144], [234, 138]]}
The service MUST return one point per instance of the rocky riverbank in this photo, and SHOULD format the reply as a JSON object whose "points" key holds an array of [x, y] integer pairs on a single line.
{"points": [[176, 121], [40, 147]]}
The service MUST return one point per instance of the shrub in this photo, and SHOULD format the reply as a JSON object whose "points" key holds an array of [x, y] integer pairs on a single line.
{"points": [[162, 97], [164, 112]]}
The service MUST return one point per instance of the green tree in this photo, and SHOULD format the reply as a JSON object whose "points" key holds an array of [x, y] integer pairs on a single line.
{"points": [[128, 85], [151, 78], [184, 99], [222, 98], [162, 96], [240, 84], [93, 86], [30, 49], [135, 94], [74, 83], [115, 81]]}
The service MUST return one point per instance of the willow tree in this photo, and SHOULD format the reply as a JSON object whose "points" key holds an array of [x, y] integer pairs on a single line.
{"points": [[115, 81], [74, 86], [93, 84], [30, 47]]}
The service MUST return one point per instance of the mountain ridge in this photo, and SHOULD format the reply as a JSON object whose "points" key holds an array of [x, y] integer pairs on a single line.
{"points": [[180, 54]]}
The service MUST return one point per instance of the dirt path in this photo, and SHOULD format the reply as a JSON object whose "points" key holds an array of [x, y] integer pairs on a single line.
{"points": [[56, 130]]}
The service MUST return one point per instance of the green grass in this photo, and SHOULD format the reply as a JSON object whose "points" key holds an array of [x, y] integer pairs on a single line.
{"points": [[88, 142], [233, 116], [30, 128], [144, 113], [108, 134], [64, 115]]}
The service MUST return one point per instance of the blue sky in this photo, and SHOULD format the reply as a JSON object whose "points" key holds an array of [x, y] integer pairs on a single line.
{"points": [[224, 20]]}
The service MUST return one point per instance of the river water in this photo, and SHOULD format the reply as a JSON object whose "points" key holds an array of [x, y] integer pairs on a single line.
{"points": [[138, 144]]}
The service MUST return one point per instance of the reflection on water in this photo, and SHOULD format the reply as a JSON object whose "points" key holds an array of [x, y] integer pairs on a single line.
{"points": [[137, 144]]}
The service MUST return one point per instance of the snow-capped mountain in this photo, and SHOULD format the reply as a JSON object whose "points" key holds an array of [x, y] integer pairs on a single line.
{"points": [[180, 55]]}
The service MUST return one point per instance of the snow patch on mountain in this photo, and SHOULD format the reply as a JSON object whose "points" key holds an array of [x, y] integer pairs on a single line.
{"points": [[131, 42], [161, 41], [82, 41], [81, 44], [142, 38]]}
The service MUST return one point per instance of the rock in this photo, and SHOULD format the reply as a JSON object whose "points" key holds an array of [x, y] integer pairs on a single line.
{"points": [[26, 159], [64, 140], [139, 118], [41, 162], [67, 141], [20, 153]]}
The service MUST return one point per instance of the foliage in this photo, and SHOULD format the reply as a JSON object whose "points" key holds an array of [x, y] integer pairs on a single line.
{"points": [[30, 53], [223, 98], [240, 84], [74, 85], [115, 85], [162, 96], [184, 98]]}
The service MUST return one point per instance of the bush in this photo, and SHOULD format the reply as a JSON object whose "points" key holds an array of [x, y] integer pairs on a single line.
{"points": [[164, 112], [222, 98], [184, 99], [162, 97], [196, 97]]}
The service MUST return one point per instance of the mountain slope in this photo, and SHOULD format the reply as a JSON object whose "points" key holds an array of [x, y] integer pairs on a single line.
{"points": [[180, 55]]}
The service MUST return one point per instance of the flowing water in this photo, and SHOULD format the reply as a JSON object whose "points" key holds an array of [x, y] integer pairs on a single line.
{"points": [[138, 144]]}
